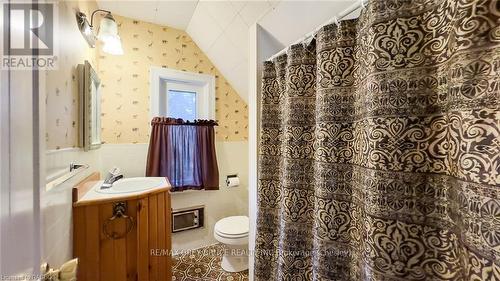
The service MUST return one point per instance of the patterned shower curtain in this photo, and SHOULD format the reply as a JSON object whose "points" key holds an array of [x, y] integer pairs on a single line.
{"points": [[380, 148]]}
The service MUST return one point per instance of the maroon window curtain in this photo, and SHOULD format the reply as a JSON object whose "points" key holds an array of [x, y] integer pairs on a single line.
{"points": [[184, 152]]}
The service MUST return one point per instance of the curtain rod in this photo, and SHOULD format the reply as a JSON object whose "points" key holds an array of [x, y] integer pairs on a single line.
{"points": [[180, 121], [335, 19]]}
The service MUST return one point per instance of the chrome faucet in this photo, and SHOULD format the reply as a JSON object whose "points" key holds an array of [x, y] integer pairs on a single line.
{"points": [[113, 175]]}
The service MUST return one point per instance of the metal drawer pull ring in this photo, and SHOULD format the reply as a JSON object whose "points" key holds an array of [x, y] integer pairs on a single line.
{"points": [[119, 210]]}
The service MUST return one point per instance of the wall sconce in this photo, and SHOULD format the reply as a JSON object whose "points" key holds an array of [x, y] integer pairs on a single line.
{"points": [[108, 32]]}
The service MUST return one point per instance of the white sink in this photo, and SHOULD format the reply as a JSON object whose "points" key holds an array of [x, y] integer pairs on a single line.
{"points": [[130, 185]]}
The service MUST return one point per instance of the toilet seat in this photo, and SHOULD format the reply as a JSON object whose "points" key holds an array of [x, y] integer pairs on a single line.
{"points": [[231, 236], [232, 227]]}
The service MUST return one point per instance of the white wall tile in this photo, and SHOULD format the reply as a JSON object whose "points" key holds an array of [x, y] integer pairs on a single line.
{"points": [[222, 12], [253, 10], [231, 47], [291, 20], [175, 14], [224, 55], [203, 28], [238, 5], [56, 203], [130, 158], [237, 32], [273, 3], [232, 158], [239, 77]]}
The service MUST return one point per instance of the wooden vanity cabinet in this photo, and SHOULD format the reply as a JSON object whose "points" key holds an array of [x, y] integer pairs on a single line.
{"points": [[106, 253]]}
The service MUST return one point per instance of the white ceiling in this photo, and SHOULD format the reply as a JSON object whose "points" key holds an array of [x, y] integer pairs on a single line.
{"points": [[176, 14], [220, 28], [291, 20]]}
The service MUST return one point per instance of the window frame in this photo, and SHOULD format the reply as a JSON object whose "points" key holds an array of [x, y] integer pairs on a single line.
{"points": [[159, 83]]}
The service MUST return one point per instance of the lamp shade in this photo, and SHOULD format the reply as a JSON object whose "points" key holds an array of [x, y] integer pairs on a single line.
{"points": [[108, 34], [113, 45]]}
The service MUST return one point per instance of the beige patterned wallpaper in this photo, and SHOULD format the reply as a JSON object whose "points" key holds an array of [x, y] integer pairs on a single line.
{"points": [[61, 85], [125, 82], [125, 117]]}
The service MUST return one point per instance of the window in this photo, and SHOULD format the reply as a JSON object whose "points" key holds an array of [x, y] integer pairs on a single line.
{"points": [[183, 100], [181, 94], [187, 153], [181, 104]]}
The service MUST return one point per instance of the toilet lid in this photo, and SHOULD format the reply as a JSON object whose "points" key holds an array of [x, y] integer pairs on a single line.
{"points": [[232, 226]]}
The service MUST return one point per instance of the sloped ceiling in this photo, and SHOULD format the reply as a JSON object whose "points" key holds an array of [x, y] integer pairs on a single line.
{"points": [[220, 28], [176, 14]]}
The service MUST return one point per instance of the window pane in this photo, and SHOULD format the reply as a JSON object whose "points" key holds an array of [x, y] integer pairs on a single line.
{"points": [[181, 104]]}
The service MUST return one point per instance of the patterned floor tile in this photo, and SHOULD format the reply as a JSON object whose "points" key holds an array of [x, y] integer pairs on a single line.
{"points": [[203, 265]]}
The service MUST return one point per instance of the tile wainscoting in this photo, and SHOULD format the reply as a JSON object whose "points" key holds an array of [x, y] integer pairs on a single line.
{"points": [[232, 158], [131, 159], [56, 204]]}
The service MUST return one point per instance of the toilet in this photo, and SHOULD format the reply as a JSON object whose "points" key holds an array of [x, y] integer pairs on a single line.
{"points": [[233, 233]]}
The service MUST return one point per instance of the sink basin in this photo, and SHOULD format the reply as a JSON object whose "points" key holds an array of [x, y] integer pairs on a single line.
{"points": [[130, 185]]}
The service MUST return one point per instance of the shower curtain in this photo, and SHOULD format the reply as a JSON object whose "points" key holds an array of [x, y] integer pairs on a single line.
{"points": [[379, 148]]}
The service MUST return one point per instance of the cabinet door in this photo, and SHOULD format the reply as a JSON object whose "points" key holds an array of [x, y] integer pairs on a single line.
{"points": [[86, 242], [154, 245], [101, 257], [118, 254]]}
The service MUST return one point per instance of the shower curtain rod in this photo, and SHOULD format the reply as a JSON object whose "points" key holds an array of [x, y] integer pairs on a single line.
{"points": [[335, 19]]}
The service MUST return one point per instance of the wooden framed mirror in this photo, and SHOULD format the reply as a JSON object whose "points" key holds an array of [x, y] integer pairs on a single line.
{"points": [[90, 107]]}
